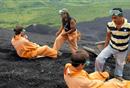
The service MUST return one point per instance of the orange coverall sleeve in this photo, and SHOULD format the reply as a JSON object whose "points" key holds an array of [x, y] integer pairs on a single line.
{"points": [[30, 45], [80, 79], [87, 83], [81, 82], [115, 83], [99, 76]]}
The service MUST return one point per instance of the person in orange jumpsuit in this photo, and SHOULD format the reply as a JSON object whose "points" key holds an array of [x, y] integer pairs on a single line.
{"points": [[76, 77], [67, 32], [30, 50]]}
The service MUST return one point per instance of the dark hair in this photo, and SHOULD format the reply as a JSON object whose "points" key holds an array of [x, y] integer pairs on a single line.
{"points": [[119, 9], [68, 17], [18, 30], [79, 58]]}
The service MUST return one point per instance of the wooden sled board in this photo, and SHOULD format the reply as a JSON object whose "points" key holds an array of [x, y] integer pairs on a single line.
{"points": [[90, 50], [100, 43]]}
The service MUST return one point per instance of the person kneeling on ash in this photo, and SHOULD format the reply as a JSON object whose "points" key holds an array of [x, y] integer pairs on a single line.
{"points": [[76, 77], [30, 50]]}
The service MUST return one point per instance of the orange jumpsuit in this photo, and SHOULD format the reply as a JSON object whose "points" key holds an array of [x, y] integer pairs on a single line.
{"points": [[115, 83], [71, 38], [81, 79], [27, 49]]}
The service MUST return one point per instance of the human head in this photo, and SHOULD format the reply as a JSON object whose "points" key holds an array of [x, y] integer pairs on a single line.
{"points": [[64, 13], [18, 30], [117, 15], [78, 59]]}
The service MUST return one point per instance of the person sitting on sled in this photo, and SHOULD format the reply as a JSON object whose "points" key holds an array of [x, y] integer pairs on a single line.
{"points": [[30, 50], [76, 77], [67, 32]]}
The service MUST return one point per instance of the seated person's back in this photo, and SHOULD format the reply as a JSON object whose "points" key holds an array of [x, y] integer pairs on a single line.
{"points": [[76, 77]]}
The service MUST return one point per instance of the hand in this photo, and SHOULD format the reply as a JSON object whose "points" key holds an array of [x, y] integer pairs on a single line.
{"points": [[24, 35], [57, 34]]}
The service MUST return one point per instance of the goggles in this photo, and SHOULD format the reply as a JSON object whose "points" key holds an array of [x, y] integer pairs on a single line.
{"points": [[115, 13], [87, 63], [23, 31]]}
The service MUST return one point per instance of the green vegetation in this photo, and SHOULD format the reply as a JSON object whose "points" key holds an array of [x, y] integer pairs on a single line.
{"points": [[27, 12]]}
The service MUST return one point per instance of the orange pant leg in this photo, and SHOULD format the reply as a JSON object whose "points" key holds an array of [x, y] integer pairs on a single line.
{"points": [[59, 41], [115, 83], [47, 52], [72, 39], [127, 82], [99, 76]]}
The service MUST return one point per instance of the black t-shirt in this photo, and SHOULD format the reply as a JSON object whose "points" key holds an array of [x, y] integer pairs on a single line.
{"points": [[66, 24]]}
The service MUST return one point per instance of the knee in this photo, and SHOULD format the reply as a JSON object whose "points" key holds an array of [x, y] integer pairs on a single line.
{"points": [[120, 64], [97, 60], [46, 47], [100, 59]]}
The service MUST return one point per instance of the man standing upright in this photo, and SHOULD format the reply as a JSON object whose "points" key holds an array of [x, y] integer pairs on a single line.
{"points": [[116, 44]]}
